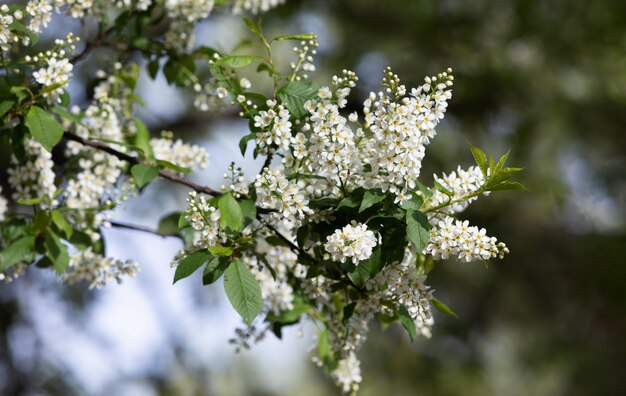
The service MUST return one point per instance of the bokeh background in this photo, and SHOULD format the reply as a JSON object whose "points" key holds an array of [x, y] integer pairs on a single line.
{"points": [[546, 79]]}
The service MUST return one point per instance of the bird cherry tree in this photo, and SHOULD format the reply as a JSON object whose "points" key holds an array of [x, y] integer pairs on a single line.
{"points": [[336, 229]]}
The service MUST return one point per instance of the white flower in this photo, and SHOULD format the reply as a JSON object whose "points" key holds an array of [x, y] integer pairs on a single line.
{"points": [[245, 83], [347, 375], [353, 241]]}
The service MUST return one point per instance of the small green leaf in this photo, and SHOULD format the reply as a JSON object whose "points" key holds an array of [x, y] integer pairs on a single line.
{"points": [[501, 176], [366, 269], [18, 26], [371, 198], [5, 106], [172, 166], [231, 217], [16, 251], [190, 264], [142, 139], [508, 186], [57, 253], [348, 202], [243, 143], [443, 308], [144, 174], [502, 161], [248, 211], [29, 201], [417, 227], [243, 291], [443, 189], [407, 322], [221, 251], [44, 128], [237, 61], [214, 269], [168, 225], [325, 351], [252, 27], [481, 159], [295, 94], [61, 112], [297, 37], [59, 220]]}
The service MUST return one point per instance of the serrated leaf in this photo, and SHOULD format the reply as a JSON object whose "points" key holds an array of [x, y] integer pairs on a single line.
{"points": [[295, 94], [417, 227], [43, 127], [407, 322], [481, 159], [231, 217], [243, 291], [508, 186], [443, 308], [371, 198], [214, 269], [237, 61], [57, 253], [190, 264], [60, 221], [144, 174], [502, 175], [502, 161], [16, 251], [221, 251]]}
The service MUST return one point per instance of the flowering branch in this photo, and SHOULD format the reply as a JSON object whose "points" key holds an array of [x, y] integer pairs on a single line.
{"points": [[136, 227]]}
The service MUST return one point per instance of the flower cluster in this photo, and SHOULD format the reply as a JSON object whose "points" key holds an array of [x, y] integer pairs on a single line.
{"points": [[7, 37], [192, 157], [33, 178], [203, 218], [184, 15], [255, 6], [401, 127], [463, 184], [275, 191], [450, 238], [40, 12], [89, 266], [354, 242], [275, 128], [347, 375]]}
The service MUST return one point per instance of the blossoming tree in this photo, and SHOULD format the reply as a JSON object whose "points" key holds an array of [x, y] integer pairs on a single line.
{"points": [[336, 228]]}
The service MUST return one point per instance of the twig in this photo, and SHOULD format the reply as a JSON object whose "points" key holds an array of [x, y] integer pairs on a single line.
{"points": [[165, 174], [136, 227]]}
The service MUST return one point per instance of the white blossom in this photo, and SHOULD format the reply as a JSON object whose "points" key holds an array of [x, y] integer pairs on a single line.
{"points": [[354, 241]]}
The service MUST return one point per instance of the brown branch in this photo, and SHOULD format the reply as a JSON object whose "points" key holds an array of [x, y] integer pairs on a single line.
{"points": [[90, 45], [165, 174], [136, 227]]}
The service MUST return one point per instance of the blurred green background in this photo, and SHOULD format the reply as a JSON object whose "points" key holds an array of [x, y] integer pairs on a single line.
{"points": [[546, 79]]}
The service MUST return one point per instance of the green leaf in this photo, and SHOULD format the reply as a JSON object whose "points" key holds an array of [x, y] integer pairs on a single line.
{"points": [[348, 202], [371, 198], [366, 269], [427, 193], [142, 139], [237, 61], [443, 308], [243, 291], [325, 351], [144, 174], [190, 264], [56, 251], [168, 225], [300, 306], [407, 322], [298, 37], [252, 27], [18, 26], [44, 128], [214, 269], [5, 106], [80, 240], [248, 211], [243, 143], [417, 227], [29, 201], [61, 112], [16, 251], [231, 217], [172, 166], [481, 159], [295, 94], [501, 176], [221, 251], [59, 220], [502, 161], [508, 186], [413, 203], [443, 189]]}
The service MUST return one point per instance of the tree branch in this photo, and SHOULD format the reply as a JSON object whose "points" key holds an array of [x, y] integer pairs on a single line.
{"points": [[165, 174], [148, 230]]}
